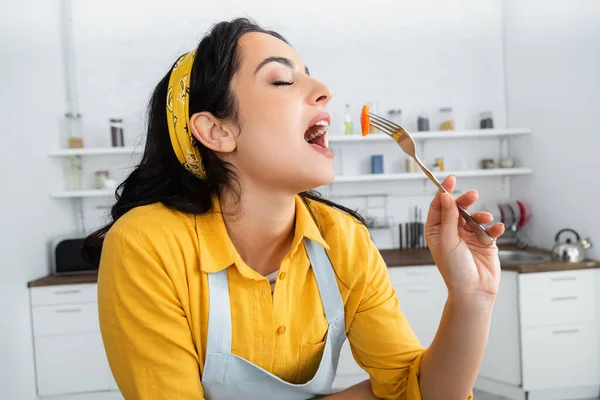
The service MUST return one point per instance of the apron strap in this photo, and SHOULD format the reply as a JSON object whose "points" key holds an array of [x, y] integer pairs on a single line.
{"points": [[219, 314], [326, 280]]}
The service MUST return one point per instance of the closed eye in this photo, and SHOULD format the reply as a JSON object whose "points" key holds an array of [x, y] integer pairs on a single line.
{"points": [[282, 83]]}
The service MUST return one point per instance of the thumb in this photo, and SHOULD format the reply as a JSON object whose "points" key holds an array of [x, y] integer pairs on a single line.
{"points": [[449, 228]]}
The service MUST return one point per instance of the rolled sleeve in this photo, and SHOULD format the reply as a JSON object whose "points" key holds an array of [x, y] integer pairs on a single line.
{"points": [[382, 341]]}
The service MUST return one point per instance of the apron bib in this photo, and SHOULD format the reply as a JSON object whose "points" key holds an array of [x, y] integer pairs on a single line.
{"points": [[230, 377]]}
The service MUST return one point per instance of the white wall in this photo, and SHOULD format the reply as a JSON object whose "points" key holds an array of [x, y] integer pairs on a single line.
{"points": [[416, 55], [31, 104], [553, 84]]}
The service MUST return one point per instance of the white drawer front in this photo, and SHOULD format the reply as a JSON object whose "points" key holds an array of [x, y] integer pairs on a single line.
{"points": [[554, 309], [560, 283], [64, 294], [71, 364], [65, 319], [419, 275], [423, 306], [555, 357]]}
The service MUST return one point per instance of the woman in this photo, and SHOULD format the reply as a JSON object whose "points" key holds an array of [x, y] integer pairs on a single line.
{"points": [[220, 205]]}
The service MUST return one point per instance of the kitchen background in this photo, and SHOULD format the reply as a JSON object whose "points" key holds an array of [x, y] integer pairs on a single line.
{"points": [[533, 64]]}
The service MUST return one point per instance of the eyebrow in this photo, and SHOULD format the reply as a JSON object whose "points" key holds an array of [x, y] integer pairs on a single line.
{"points": [[281, 60]]}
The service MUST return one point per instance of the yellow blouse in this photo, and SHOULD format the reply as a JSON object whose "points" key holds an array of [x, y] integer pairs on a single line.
{"points": [[153, 304]]}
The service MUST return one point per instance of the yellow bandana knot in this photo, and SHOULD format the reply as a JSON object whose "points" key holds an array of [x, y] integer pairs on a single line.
{"points": [[178, 102]]}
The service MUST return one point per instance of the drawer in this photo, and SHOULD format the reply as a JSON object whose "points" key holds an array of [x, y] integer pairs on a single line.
{"points": [[555, 357], [64, 294], [65, 319], [555, 309], [560, 283], [71, 364], [419, 275]]}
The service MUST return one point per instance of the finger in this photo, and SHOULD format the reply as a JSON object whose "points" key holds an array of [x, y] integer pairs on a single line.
{"points": [[481, 217], [496, 230], [468, 199], [449, 184], [434, 216], [449, 222]]}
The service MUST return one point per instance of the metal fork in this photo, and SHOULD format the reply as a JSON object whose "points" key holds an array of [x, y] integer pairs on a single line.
{"points": [[407, 144]]}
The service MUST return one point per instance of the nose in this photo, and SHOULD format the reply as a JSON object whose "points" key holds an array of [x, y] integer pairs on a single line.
{"points": [[320, 94]]}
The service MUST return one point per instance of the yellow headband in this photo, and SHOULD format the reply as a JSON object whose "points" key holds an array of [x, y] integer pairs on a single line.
{"points": [[178, 102]]}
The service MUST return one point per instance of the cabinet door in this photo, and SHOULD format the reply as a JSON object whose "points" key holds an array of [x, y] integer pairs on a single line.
{"points": [[560, 356], [502, 358], [423, 306], [71, 364]]}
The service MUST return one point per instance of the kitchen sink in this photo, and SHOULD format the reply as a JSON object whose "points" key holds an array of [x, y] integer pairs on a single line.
{"points": [[521, 256]]}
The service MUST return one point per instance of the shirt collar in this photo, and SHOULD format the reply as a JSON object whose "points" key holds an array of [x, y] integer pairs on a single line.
{"points": [[214, 245], [216, 251], [306, 226]]}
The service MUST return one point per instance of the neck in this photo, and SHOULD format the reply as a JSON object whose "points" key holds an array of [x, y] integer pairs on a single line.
{"points": [[261, 226]]}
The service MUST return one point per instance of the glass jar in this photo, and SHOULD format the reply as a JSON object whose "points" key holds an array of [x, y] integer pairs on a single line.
{"points": [[395, 116], [486, 120], [101, 177], [446, 119], [423, 122], [116, 132]]}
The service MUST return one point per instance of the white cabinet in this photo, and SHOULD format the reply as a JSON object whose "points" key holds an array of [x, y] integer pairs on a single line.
{"points": [[71, 364], [560, 356], [422, 294], [69, 354], [545, 334]]}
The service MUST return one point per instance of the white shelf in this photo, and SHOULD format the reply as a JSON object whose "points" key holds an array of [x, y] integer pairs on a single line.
{"points": [[95, 151], [479, 133], [72, 194], [477, 173]]}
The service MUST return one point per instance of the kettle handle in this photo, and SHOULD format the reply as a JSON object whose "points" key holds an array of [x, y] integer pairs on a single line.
{"points": [[567, 230]]}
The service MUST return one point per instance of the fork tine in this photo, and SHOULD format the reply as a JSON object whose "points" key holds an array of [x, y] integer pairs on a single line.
{"points": [[383, 128], [382, 120]]}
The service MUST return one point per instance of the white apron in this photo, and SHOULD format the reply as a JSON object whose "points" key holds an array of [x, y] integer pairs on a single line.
{"points": [[227, 376]]}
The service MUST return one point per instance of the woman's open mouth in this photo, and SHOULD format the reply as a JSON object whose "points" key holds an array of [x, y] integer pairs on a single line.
{"points": [[316, 136]]}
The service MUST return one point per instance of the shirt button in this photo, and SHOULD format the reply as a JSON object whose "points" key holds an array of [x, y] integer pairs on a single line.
{"points": [[282, 276], [262, 291], [281, 330]]}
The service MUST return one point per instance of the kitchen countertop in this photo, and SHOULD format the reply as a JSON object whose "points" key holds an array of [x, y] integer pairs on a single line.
{"points": [[394, 258], [403, 258]]}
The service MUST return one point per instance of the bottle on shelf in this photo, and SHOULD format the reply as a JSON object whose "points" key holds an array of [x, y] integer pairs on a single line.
{"points": [[74, 173], [348, 127]]}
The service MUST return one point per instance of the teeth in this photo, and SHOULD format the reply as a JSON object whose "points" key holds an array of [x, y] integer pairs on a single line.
{"points": [[323, 123], [318, 132]]}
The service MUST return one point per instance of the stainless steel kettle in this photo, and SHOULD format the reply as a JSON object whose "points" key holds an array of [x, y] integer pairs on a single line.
{"points": [[568, 251]]}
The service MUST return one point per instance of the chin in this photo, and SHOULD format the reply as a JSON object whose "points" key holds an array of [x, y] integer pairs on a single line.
{"points": [[316, 181]]}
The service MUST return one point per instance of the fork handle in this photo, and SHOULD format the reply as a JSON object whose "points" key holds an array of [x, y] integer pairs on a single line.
{"points": [[479, 231]]}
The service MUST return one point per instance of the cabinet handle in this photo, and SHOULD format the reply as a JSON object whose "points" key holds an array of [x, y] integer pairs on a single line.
{"points": [[71, 291], [562, 331], [564, 278], [68, 310], [564, 298], [418, 290]]}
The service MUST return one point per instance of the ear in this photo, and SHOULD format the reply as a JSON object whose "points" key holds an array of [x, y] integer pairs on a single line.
{"points": [[212, 133]]}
